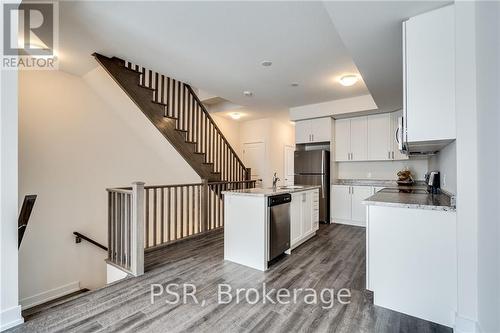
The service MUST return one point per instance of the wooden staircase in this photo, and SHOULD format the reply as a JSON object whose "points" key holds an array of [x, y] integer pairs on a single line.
{"points": [[173, 107]]}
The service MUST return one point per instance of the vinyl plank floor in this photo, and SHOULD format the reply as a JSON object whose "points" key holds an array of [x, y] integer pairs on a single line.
{"points": [[335, 258]]}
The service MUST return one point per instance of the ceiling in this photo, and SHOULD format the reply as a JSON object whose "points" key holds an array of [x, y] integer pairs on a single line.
{"points": [[218, 46]]}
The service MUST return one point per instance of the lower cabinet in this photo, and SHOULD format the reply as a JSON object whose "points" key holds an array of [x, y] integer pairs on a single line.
{"points": [[347, 207], [304, 216]]}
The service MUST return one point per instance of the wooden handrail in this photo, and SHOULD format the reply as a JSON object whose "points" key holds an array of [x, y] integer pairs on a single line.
{"points": [[213, 123]]}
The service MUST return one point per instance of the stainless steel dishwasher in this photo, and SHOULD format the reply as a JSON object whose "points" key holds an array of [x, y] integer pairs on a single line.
{"points": [[279, 224]]}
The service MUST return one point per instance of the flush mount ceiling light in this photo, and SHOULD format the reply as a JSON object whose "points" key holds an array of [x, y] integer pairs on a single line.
{"points": [[266, 63], [235, 115], [348, 80], [248, 93], [294, 84]]}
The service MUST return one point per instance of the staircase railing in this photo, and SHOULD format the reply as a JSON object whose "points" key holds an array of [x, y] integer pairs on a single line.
{"points": [[158, 215], [181, 102]]}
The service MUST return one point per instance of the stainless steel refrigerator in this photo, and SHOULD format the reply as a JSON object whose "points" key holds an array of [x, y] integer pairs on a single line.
{"points": [[313, 168]]}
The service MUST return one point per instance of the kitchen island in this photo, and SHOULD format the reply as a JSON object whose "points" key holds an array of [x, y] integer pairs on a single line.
{"points": [[411, 252], [247, 227]]}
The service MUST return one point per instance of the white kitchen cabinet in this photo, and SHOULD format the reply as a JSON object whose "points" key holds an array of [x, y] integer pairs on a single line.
{"points": [[321, 129], [313, 130], [358, 194], [304, 216], [302, 131], [346, 204], [295, 218], [306, 213], [371, 138], [380, 147], [342, 140], [351, 139], [341, 202], [359, 139], [429, 76]]}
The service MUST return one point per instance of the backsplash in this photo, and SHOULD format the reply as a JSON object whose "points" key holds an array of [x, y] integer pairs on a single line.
{"points": [[381, 169]]}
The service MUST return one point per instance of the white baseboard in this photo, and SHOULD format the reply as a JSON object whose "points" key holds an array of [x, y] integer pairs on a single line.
{"points": [[10, 317], [49, 295], [349, 222], [465, 325]]}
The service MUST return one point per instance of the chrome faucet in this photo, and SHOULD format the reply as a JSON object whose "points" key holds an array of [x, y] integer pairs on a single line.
{"points": [[275, 180]]}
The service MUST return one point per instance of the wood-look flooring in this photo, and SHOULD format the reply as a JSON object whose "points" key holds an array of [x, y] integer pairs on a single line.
{"points": [[335, 258]]}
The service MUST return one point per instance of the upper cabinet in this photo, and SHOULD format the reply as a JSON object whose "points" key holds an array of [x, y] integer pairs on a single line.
{"points": [[379, 137], [313, 130], [350, 139], [371, 138], [429, 77]]}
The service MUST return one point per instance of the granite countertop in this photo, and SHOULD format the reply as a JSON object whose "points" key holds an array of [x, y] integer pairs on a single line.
{"points": [[373, 182], [419, 199], [269, 191]]}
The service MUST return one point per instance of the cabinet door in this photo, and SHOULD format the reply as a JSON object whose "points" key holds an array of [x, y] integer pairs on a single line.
{"points": [[341, 202], [360, 193], [394, 136], [321, 129], [359, 140], [342, 139], [306, 212], [315, 210], [302, 131], [295, 218], [379, 137], [430, 75]]}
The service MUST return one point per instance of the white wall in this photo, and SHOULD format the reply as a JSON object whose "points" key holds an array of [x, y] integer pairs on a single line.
{"points": [[467, 170], [275, 133], [446, 163], [488, 108], [386, 170], [10, 311], [332, 108], [231, 130], [73, 145]]}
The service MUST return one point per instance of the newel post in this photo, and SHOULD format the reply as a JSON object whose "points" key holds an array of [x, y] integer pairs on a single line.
{"points": [[137, 229]]}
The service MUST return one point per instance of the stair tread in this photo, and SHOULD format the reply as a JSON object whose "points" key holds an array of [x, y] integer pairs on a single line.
{"points": [[132, 70], [145, 87], [160, 103]]}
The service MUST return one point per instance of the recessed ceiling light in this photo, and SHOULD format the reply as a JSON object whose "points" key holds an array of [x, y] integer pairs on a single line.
{"points": [[294, 84], [235, 115], [248, 93], [266, 63], [348, 80]]}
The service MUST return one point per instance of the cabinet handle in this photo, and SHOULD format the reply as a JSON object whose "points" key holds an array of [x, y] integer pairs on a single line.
{"points": [[392, 155], [388, 155]]}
